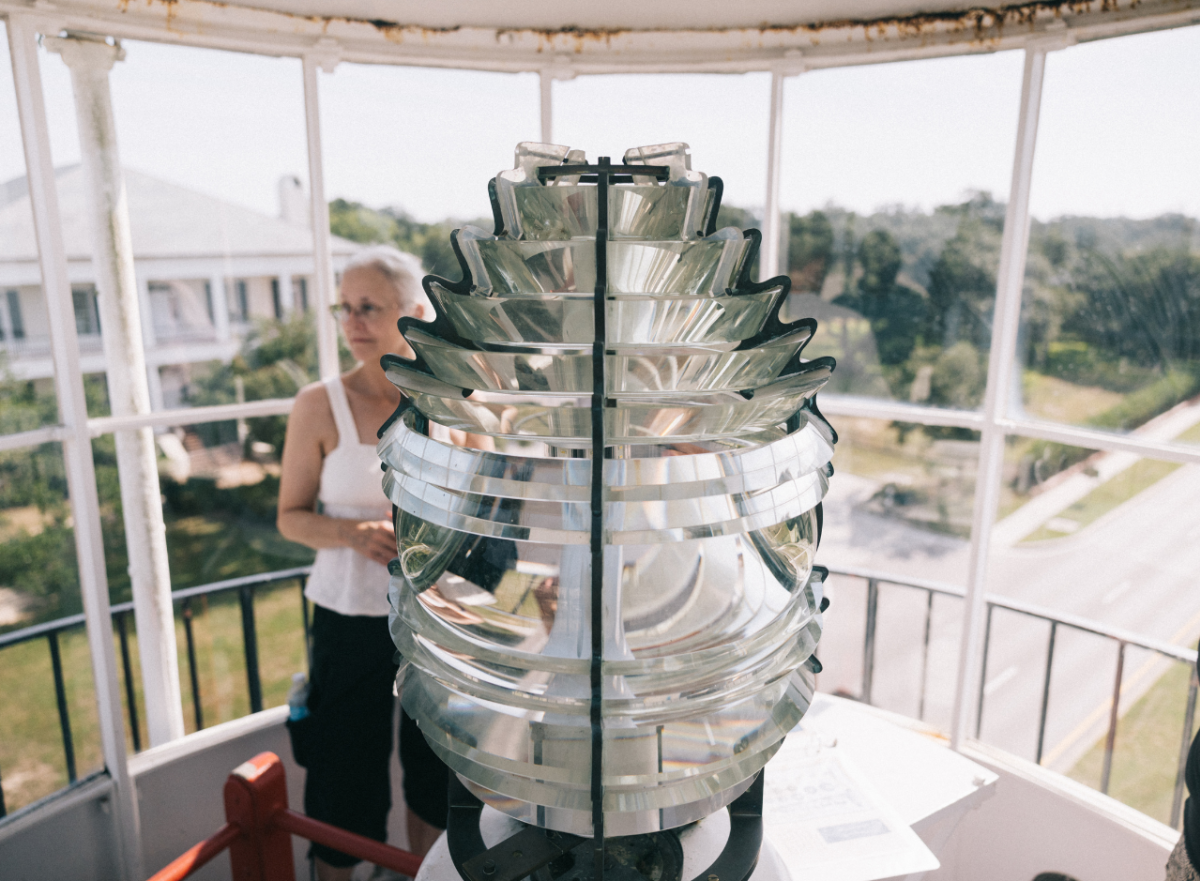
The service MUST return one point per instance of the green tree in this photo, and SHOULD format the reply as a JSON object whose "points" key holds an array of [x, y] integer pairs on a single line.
{"points": [[810, 252], [962, 283]]}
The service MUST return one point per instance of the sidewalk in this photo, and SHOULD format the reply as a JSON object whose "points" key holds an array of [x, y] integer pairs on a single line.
{"points": [[1057, 498]]}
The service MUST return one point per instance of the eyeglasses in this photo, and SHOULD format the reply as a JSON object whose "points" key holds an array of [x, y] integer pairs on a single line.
{"points": [[367, 311]]}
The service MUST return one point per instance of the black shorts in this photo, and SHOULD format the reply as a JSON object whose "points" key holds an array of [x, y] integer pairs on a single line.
{"points": [[426, 777], [348, 735]]}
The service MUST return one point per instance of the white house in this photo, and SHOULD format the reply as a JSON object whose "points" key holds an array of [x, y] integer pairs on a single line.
{"points": [[205, 270]]}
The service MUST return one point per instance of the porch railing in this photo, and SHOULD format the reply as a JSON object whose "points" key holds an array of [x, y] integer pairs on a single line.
{"points": [[245, 588], [1123, 639]]}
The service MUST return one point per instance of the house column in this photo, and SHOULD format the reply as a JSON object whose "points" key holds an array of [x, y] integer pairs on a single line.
{"points": [[220, 307], [287, 296], [90, 59]]}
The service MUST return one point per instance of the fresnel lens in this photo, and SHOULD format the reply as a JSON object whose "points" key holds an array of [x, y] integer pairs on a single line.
{"points": [[608, 621]]}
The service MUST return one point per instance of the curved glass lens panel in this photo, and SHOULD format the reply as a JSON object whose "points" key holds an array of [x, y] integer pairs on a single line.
{"points": [[569, 370], [632, 320], [715, 463]]}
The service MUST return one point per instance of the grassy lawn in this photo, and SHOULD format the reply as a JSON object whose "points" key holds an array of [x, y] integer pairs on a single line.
{"points": [[31, 754], [1049, 397], [1146, 755]]}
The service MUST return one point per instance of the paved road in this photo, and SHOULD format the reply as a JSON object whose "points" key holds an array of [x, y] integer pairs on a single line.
{"points": [[1137, 568]]}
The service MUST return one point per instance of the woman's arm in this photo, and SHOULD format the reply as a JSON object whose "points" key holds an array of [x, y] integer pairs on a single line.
{"points": [[310, 433]]}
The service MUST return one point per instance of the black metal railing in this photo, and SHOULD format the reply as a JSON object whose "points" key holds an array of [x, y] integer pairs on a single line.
{"points": [[1056, 620], [245, 588]]}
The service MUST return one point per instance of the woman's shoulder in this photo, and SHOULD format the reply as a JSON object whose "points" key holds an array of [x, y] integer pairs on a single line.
{"points": [[313, 413], [313, 396]]}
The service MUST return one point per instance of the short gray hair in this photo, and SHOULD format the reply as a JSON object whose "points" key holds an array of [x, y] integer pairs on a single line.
{"points": [[403, 272]]}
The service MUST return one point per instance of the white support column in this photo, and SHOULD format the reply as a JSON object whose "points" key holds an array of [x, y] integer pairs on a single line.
{"points": [[76, 444], [287, 296], [323, 286], [149, 337], [154, 386], [546, 90], [220, 307], [90, 60], [769, 263], [1005, 324]]}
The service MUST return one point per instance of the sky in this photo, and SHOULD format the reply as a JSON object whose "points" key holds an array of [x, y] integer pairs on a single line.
{"points": [[1119, 131]]}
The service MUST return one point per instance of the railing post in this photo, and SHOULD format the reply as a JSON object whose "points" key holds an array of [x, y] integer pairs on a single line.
{"points": [[60, 694], [1046, 692], [250, 644], [3, 809], [987, 640], [869, 639], [130, 695], [193, 674], [1189, 720], [925, 655], [307, 624], [1111, 740], [255, 793]]}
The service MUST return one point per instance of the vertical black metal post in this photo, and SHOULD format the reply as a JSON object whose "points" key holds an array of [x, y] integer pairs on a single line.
{"points": [[193, 673], [127, 669], [3, 809], [869, 639], [1189, 720], [250, 643], [597, 533], [64, 717], [307, 624], [1046, 691], [987, 639], [1110, 741], [925, 654]]}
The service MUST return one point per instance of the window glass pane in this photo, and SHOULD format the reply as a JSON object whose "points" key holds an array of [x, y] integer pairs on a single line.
{"points": [[409, 152], [722, 117], [1096, 535], [213, 150], [1111, 318], [220, 489], [899, 504], [895, 176], [26, 371], [39, 583]]}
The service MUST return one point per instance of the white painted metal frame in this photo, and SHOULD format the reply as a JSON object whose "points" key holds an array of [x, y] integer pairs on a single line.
{"points": [[1001, 365], [125, 310], [76, 440], [994, 421], [770, 264], [323, 282]]}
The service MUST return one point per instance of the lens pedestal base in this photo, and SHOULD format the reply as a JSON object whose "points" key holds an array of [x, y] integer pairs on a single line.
{"points": [[482, 844]]}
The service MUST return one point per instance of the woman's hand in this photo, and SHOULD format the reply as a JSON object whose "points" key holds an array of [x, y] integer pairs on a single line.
{"points": [[375, 539]]}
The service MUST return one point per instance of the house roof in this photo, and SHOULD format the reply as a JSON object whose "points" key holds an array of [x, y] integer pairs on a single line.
{"points": [[167, 221]]}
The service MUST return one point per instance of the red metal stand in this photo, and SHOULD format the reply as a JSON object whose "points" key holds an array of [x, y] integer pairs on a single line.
{"points": [[259, 830]]}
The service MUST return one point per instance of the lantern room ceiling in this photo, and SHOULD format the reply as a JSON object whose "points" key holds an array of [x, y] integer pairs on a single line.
{"points": [[565, 37]]}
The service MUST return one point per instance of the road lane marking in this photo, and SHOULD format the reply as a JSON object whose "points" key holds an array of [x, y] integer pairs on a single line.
{"points": [[1001, 679], [1106, 705]]}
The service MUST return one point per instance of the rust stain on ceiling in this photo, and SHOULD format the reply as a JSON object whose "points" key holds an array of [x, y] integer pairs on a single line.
{"points": [[983, 22]]}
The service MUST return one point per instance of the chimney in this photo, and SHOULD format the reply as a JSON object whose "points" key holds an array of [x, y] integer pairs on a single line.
{"points": [[293, 201]]}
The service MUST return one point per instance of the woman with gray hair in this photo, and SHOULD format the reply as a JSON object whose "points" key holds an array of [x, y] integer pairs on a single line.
{"points": [[330, 499]]}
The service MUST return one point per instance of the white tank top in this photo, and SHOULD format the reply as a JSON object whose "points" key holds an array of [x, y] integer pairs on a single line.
{"points": [[351, 487]]}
